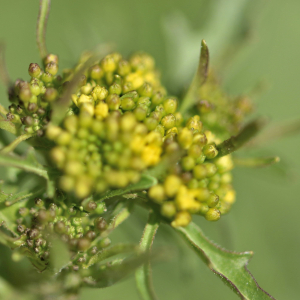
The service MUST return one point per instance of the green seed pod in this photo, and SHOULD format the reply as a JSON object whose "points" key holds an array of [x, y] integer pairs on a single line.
{"points": [[170, 105], [51, 68], [34, 70], [210, 151], [213, 214]]}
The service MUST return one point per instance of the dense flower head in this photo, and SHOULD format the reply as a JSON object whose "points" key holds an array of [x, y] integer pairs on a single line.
{"points": [[79, 227], [122, 123], [30, 108]]}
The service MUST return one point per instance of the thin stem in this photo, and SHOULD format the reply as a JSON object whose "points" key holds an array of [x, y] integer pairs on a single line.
{"points": [[143, 274], [245, 135], [16, 142], [41, 27], [3, 71], [10, 161]]}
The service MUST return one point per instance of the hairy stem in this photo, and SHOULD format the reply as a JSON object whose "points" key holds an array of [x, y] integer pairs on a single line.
{"points": [[143, 274], [16, 142], [41, 27]]}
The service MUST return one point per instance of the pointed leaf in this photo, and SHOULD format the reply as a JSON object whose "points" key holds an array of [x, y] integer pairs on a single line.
{"points": [[230, 266], [245, 135], [143, 275], [8, 126], [200, 77], [255, 162]]}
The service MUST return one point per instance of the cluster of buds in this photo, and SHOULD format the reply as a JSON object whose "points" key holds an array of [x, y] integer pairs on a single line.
{"points": [[78, 227], [122, 123], [31, 100], [220, 112]]}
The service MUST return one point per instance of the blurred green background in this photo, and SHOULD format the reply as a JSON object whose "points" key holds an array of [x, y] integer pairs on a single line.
{"points": [[265, 218]]}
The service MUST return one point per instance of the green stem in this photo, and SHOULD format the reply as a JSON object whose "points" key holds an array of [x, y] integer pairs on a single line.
{"points": [[3, 110], [143, 274], [246, 134], [41, 27], [10, 161], [255, 162], [16, 142]]}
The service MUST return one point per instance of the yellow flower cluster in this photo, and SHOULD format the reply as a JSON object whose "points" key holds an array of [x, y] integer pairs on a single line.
{"points": [[123, 123]]}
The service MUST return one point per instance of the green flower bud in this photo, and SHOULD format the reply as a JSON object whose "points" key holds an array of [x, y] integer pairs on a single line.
{"points": [[124, 68], [50, 95], [113, 101], [213, 214], [200, 172], [170, 105], [194, 123], [47, 77], [185, 138], [83, 244], [105, 242], [168, 121], [187, 163], [140, 113], [146, 90], [115, 88], [157, 193], [213, 200], [25, 93], [35, 89], [168, 209], [108, 64], [210, 151], [211, 169], [203, 194], [96, 72], [200, 139], [151, 123], [51, 58], [51, 68], [34, 70], [127, 104], [100, 224]]}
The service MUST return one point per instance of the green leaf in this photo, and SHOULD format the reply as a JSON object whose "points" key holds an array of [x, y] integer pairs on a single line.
{"points": [[108, 274], [60, 255], [8, 126], [109, 252], [16, 142], [230, 266], [255, 162], [143, 274], [31, 165], [244, 136], [200, 77], [145, 183]]}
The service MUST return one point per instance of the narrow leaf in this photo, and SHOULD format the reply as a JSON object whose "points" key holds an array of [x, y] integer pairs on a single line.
{"points": [[275, 132], [16, 142], [246, 134], [109, 252], [110, 273], [199, 79], [41, 27], [256, 162], [8, 126], [143, 274], [145, 183], [230, 266]]}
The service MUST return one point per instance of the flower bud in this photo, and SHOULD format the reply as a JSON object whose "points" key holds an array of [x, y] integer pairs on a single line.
{"points": [[34, 70]]}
